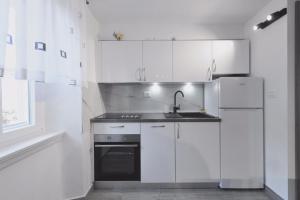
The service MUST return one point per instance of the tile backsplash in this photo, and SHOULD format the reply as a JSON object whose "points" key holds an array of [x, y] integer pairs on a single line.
{"points": [[151, 97]]}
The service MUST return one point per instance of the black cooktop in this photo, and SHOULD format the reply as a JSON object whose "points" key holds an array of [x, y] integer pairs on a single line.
{"points": [[120, 116]]}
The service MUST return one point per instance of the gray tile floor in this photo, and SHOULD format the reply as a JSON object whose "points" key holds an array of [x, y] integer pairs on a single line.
{"points": [[177, 194]]}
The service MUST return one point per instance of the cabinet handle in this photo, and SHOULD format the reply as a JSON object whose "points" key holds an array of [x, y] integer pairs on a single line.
{"points": [[117, 126], [214, 65], [178, 129], [141, 74], [162, 126], [144, 73], [138, 74], [116, 145], [209, 74]]}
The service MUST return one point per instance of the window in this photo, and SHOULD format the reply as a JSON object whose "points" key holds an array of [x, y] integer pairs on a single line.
{"points": [[16, 104]]}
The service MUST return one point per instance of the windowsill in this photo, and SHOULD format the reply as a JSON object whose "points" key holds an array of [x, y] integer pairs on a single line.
{"points": [[17, 128], [20, 135], [13, 153]]}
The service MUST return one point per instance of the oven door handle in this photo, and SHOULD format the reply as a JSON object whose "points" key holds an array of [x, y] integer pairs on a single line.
{"points": [[122, 126], [162, 126], [116, 145]]}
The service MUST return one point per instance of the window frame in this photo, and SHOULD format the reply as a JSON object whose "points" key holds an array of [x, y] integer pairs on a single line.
{"points": [[31, 112]]}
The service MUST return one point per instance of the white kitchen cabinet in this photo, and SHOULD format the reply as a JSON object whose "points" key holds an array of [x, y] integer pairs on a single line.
{"points": [[197, 152], [157, 61], [157, 153], [121, 61], [231, 57], [192, 61], [167, 61], [116, 128]]}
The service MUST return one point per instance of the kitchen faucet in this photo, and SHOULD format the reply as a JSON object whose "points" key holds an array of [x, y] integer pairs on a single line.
{"points": [[175, 107]]}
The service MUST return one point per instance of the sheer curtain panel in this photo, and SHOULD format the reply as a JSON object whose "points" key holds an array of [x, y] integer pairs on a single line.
{"points": [[37, 40], [4, 8]]}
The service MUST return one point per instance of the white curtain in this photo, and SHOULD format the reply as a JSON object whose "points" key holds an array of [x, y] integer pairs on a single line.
{"points": [[37, 40], [4, 11]]}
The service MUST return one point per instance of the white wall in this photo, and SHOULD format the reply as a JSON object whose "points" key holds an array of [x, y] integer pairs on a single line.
{"points": [[70, 108], [291, 99], [37, 177], [168, 31], [63, 112], [269, 60], [92, 104]]}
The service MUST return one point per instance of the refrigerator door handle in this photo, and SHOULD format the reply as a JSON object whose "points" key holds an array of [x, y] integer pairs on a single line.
{"points": [[231, 109]]}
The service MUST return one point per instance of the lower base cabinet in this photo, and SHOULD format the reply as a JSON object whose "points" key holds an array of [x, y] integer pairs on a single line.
{"points": [[157, 153], [187, 152], [197, 152]]}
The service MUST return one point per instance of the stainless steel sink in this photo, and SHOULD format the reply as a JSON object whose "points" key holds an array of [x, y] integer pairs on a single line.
{"points": [[195, 115], [188, 115], [172, 115]]}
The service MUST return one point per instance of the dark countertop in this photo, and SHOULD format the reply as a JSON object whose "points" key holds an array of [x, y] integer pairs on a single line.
{"points": [[154, 117]]}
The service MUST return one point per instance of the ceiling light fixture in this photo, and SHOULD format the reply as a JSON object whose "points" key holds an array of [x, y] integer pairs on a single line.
{"points": [[255, 27], [261, 25], [271, 19]]}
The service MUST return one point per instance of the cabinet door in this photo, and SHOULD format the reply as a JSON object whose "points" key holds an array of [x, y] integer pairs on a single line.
{"points": [[231, 57], [242, 148], [192, 61], [157, 153], [157, 61], [121, 61], [197, 152]]}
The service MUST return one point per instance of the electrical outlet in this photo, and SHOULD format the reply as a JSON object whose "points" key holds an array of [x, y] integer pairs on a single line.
{"points": [[147, 94]]}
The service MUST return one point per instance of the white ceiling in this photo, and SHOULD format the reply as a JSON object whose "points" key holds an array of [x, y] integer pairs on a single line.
{"points": [[176, 11]]}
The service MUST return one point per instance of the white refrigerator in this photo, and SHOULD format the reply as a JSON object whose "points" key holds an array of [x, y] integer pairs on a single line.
{"points": [[238, 101]]}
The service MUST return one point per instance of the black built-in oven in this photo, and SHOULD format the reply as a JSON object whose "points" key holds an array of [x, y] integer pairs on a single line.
{"points": [[117, 158]]}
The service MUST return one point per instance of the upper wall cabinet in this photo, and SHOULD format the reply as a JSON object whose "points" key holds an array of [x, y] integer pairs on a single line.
{"points": [[171, 61], [192, 61], [121, 61], [230, 57], [157, 61]]}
